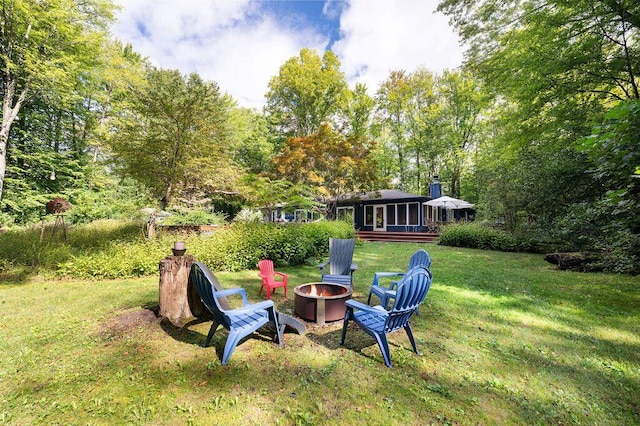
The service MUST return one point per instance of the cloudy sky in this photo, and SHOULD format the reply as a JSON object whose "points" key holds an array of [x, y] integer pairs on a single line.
{"points": [[241, 44]]}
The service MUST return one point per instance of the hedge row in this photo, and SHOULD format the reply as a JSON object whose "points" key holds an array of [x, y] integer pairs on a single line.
{"points": [[232, 248], [474, 235]]}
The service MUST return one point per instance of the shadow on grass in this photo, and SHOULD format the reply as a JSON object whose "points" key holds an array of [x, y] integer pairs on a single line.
{"points": [[16, 276], [356, 340], [186, 335]]}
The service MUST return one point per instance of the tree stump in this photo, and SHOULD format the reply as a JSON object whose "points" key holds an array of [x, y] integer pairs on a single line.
{"points": [[179, 301]]}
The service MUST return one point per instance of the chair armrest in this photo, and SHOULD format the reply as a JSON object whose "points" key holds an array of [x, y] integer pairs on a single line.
{"points": [[354, 304], [252, 307], [354, 267], [284, 276], [378, 275], [322, 266], [232, 291], [264, 304]]}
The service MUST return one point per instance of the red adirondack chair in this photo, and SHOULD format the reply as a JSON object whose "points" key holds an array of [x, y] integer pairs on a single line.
{"points": [[268, 276]]}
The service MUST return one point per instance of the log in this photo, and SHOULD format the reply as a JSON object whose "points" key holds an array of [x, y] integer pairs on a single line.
{"points": [[179, 301], [576, 261]]}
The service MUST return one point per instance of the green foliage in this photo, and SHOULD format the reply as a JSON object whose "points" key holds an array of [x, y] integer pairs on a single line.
{"points": [[555, 77], [40, 248], [227, 204], [195, 217], [432, 126], [241, 246], [596, 227], [114, 250], [307, 92], [249, 136], [248, 216], [330, 163], [476, 235], [173, 140], [46, 49]]}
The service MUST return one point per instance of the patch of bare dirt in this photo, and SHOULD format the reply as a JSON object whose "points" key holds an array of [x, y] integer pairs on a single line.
{"points": [[130, 320]]}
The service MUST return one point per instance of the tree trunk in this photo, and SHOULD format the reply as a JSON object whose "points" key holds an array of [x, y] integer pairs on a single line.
{"points": [[9, 114], [179, 302]]}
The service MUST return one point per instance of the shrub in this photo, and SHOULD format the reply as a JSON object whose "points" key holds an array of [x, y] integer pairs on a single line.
{"points": [[233, 248], [195, 217], [474, 235], [248, 216]]}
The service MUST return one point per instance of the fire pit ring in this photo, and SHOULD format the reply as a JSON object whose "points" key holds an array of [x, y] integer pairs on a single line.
{"points": [[321, 302]]}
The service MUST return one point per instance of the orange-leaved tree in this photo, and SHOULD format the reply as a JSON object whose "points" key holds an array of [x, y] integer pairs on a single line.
{"points": [[332, 164]]}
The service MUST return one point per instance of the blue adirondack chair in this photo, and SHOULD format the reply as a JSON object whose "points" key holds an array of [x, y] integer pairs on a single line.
{"points": [[378, 322], [240, 321], [341, 265], [419, 258]]}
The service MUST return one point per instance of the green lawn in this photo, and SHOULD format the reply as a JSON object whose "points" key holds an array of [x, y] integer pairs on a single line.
{"points": [[505, 339]]}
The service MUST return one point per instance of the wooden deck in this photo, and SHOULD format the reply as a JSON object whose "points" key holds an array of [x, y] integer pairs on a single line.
{"points": [[404, 237]]}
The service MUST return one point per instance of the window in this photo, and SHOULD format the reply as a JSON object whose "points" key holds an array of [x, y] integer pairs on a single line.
{"points": [[402, 214], [345, 214], [391, 214], [413, 213], [368, 215], [306, 215]]}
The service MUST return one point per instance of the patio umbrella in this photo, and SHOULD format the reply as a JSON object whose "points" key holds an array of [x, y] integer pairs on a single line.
{"points": [[449, 203]]}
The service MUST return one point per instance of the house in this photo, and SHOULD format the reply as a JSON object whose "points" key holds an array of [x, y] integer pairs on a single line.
{"points": [[390, 214], [386, 210]]}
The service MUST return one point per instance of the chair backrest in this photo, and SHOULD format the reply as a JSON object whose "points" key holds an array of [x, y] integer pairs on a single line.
{"points": [[411, 292], [266, 269], [420, 258], [206, 284], [341, 255]]}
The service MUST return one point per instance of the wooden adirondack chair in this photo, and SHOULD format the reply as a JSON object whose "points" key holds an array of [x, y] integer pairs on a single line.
{"points": [[378, 322], [419, 258], [240, 321], [341, 265], [269, 281]]}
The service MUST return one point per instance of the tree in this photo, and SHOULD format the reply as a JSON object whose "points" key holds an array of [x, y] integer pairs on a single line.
{"points": [[107, 92], [266, 193], [424, 147], [359, 112], [176, 142], [463, 100], [45, 44], [393, 99], [307, 92], [250, 145], [332, 164], [556, 68]]}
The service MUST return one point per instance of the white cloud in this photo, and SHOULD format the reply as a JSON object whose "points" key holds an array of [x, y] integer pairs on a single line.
{"points": [[241, 45], [224, 41], [379, 36]]}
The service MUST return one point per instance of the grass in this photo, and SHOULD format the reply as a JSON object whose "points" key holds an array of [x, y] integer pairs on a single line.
{"points": [[505, 339]]}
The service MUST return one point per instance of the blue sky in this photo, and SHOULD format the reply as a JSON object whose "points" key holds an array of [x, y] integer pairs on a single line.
{"points": [[241, 44]]}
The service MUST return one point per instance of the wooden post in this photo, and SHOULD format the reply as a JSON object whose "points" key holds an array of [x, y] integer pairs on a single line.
{"points": [[179, 302]]}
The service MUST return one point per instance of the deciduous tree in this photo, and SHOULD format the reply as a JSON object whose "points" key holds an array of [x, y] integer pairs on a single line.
{"points": [[176, 142], [331, 163], [45, 45], [307, 92]]}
